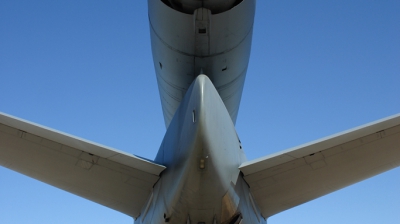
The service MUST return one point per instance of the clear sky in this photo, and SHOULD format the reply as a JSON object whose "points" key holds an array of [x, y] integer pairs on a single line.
{"points": [[85, 68]]}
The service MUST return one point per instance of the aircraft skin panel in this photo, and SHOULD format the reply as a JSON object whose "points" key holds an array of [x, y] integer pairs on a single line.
{"points": [[112, 178], [295, 176], [202, 152], [200, 174], [186, 45]]}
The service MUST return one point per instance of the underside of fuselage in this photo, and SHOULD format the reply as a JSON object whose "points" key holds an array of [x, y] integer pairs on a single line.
{"points": [[202, 151], [185, 45], [200, 175]]}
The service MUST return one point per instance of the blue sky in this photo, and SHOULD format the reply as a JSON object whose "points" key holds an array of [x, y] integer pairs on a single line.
{"points": [[85, 68]]}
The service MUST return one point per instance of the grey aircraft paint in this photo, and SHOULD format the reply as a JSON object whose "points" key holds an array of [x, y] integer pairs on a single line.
{"points": [[200, 111], [200, 174], [202, 151], [185, 45]]}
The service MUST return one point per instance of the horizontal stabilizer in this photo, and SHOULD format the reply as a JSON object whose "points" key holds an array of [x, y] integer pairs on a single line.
{"points": [[295, 176], [115, 179]]}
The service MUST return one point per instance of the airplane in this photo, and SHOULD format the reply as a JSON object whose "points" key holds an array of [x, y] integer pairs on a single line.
{"points": [[246, 145]]}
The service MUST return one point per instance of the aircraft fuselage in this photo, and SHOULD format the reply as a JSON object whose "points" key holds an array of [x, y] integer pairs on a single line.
{"points": [[186, 45], [201, 60]]}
